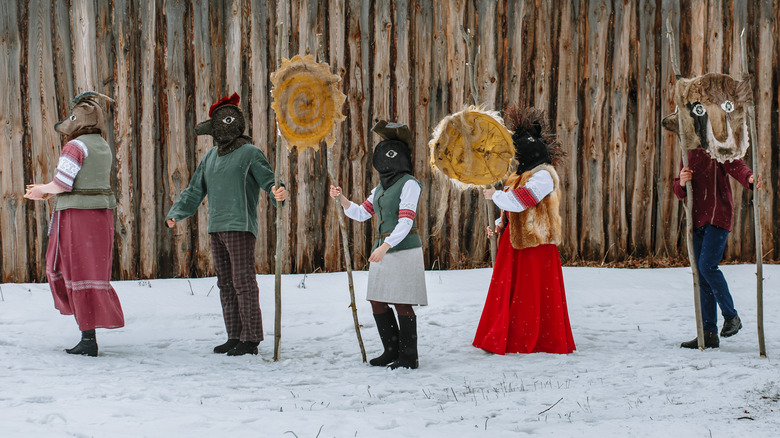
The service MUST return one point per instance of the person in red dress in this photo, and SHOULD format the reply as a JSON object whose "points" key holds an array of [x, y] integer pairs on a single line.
{"points": [[525, 310]]}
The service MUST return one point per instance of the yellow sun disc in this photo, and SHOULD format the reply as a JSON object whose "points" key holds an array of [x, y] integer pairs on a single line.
{"points": [[472, 146], [307, 102]]}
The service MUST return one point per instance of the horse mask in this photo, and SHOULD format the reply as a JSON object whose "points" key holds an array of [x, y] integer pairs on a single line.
{"points": [[86, 116], [712, 113]]}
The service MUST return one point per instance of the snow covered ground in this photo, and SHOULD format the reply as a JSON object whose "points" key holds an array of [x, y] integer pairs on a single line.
{"points": [[157, 376]]}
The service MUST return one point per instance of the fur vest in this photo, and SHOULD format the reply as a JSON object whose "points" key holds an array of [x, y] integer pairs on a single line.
{"points": [[540, 224]]}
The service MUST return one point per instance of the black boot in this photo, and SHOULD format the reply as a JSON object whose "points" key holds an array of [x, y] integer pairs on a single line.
{"points": [[243, 347], [388, 333], [227, 346], [407, 343], [731, 327], [710, 341], [88, 345]]}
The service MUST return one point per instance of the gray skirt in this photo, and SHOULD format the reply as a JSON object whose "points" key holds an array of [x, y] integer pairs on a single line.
{"points": [[399, 278]]}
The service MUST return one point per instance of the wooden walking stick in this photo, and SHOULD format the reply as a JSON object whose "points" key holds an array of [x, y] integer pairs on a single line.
{"points": [[280, 33], [675, 60], [343, 229], [751, 112]]}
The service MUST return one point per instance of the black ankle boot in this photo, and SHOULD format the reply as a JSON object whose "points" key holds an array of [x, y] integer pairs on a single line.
{"points": [[407, 343], [243, 347], [388, 333], [731, 327], [227, 346], [710, 341], [88, 345]]}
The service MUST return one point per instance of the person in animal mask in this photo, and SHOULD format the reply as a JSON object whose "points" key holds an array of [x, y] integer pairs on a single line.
{"points": [[81, 233], [396, 275], [715, 137], [231, 174], [525, 309]]}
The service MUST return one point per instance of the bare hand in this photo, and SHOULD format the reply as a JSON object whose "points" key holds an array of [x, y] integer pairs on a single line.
{"points": [[335, 191], [171, 222], [280, 194], [759, 184], [379, 253], [686, 175], [35, 192], [498, 230], [489, 193]]}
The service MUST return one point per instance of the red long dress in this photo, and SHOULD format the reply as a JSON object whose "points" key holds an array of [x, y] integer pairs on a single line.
{"points": [[525, 310]]}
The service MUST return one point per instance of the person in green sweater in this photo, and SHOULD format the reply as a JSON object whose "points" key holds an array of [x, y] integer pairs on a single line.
{"points": [[231, 174]]}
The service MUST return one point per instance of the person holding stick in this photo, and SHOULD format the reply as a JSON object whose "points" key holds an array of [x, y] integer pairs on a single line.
{"points": [[396, 275], [231, 174]]}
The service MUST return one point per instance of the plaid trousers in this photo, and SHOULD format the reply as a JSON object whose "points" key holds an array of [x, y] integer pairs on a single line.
{"points": [[234, 262]]}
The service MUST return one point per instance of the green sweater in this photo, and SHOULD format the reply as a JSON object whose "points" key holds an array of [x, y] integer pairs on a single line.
{"points": [[232, 183]]}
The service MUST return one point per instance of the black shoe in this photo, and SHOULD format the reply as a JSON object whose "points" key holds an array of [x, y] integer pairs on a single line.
{"points": [[243, 347], [227, 346], [710, 341], [88, 345], [407, 343], [731, 327], [388, 333]]}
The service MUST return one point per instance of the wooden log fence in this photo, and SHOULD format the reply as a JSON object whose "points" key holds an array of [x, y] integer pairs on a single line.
{"points": [[599, 68]]}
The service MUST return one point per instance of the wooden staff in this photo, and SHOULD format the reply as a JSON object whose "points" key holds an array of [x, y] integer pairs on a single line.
{"points": [[751, 111], [468, 37], [675, 59], [343, 229], [280, 33]]}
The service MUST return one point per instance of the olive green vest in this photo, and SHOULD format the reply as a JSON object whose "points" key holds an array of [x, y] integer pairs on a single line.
{"points": [[386, 206], [92, 186]]}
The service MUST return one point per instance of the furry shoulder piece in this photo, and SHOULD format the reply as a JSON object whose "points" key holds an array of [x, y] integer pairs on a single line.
{"points": [[540, 224], [711, 110]]}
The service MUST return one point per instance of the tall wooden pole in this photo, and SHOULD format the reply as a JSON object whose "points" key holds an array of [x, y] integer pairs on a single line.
{"points": [[675, 58], [343, 229], [472, 49], [756, 206], [280, 33]]}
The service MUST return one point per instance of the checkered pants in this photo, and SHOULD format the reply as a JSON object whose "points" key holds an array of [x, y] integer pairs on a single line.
{"points": [[234, 261]]}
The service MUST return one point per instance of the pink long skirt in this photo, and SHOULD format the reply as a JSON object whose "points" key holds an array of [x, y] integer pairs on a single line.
{"points": [[78, 266]]}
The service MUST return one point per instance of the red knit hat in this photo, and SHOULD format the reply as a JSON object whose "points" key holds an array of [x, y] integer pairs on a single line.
{"points": [[232, 100]]}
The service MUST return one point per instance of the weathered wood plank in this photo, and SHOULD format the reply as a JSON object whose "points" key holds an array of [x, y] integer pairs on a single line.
{"points": [[422, 26], [767, 66], [175, 137], [124, 140], [84, 37], [13, 238], [148, 144]]}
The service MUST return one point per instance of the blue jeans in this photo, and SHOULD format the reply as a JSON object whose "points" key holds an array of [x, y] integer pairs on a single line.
{"points": [[709, 242]]}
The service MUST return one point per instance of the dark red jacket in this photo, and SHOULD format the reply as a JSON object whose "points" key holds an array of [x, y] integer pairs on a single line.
{"points": [[712, 200]]}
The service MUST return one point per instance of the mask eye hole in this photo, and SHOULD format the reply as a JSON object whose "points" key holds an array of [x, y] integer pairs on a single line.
{"points": [[727, 106], [391, 154], [228, 120], [72, 117], [699, 110]]}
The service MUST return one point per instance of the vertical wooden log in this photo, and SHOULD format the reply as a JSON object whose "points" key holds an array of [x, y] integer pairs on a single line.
{"points": [[204, 98], [402, 111], [233, 47], [176, 141], [516, 27], [13, 237], [84, 45], [543, 58], [647, 131], [594, 131], [63, 61], [437, 186], [148, 144], [667, 229], [44, 141], [617, 232], [567, 123], [768, 22], [284, 14], [383, 41], [260, 109], [422, 26], [337, 172]]}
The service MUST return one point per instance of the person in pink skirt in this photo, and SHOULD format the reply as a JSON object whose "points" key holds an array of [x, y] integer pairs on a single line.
{"points": [[81, 233]]}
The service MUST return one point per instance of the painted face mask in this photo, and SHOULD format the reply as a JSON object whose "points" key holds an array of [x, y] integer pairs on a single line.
{"points": [[712, 111], [226, 125], [86, 116]]}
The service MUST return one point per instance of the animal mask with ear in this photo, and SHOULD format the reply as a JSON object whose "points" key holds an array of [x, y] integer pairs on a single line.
{"points": [[86, 115], [712, 112]]}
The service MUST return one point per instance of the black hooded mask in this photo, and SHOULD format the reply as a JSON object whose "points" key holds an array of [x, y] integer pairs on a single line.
{"points": [[226, 125], [392, 157], [530, 149]]}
